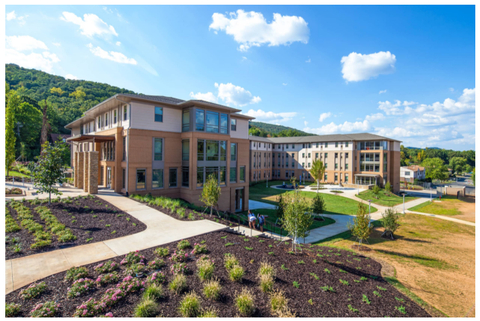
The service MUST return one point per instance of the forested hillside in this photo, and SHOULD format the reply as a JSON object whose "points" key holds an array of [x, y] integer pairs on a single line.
{"points": [[271, 130]]}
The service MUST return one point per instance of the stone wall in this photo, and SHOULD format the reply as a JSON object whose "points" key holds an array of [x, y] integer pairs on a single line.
{"points": [[92, 172], [79, 170], [85, 171]]}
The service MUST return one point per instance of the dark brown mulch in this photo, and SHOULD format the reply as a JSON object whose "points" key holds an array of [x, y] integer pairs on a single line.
{"points": [[331, 304], [86, 226]]}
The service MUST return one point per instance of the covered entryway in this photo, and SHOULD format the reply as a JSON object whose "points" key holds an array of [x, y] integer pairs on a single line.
{"points": [[366, 179]]}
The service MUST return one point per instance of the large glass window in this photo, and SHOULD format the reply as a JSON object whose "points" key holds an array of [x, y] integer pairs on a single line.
{"points": [[185, 176], [157, 178], [106, 120], [124, 155], [186, 121], [158, 144], [141, 179], [125, 112], [200, 120], [233, 124], [115, 116], [233, 174], [212, 122], [242, 173], [200, 176], [223, 175], [172, 177], [223, 150], [200, 150], [158, 114], [211, 170], [212, 150], [223, 124], [233, 151], [185, 149]]}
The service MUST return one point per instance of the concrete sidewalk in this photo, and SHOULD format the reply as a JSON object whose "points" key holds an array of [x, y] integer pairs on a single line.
{"points": [[161, 229]]}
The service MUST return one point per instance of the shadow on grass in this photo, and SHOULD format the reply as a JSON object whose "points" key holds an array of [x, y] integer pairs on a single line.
{"points": [[420, 259]]}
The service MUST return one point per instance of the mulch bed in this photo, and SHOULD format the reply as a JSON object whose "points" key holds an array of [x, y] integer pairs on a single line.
{"points": [[86, 226], [328, 304]]}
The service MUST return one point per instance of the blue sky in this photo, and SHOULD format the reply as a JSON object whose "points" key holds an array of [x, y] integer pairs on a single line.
{"points": [[406, 72]]}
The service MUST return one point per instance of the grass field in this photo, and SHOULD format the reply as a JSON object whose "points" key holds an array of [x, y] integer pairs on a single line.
{"points": [[433, 262], [335, 204], [272, 218], [16, 174], [444, 207], [384, 198]]}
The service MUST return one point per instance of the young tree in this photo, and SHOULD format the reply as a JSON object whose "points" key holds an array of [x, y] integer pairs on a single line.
{"points": [[361, 227], [9, 135], [375, 189], [388, 187], [390, 222], [50, 168], [317, 171], [435, 169], [296, 219], [211, 192], [280, 210], [318, 205]]}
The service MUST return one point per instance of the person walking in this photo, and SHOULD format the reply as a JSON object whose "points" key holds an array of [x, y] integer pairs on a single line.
{"points": [[251, 219], [261, 221]]}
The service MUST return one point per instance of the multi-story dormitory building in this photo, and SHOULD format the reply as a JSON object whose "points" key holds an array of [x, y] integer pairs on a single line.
{"points": [[353, 159], [167, 146]]}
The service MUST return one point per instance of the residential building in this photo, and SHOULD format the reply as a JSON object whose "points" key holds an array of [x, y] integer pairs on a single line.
{"points": [[411, 173]]}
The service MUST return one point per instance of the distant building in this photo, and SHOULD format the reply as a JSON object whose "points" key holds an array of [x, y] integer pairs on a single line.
{"points": [[411, 173]]}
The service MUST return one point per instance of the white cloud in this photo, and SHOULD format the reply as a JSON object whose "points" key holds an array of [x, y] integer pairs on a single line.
{"points": [[346, 127], [358, 67], [382, 92], [90, 25], [251, 29], [71, 77], [32, 60], [270, 116], [57, 44], [284, 84], [451, 89], [51, 56], [375, 117], [112, 55], [308, 60], [236, 95], [24, 43], [305, 123], [324, 116], [118, 43], [395, 108], [207, 97], [11, 15]]}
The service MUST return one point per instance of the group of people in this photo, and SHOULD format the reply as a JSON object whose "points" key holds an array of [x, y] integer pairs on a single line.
{"points": [[252, 220]]}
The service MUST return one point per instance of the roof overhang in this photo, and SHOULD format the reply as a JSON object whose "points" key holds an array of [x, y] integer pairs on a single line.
{"points": [[95, 138]]}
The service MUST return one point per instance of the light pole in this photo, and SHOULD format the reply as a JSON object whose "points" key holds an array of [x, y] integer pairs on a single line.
{"points": [[403, 203], [369, 203]]}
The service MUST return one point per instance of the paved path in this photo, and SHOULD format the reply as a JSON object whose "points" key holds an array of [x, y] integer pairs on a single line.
{"points": [[161, 229], [255, 205], [66, 191]]}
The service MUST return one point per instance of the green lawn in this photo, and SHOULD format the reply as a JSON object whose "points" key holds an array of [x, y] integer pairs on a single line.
{"points": [[16, 174], [335, 204], [384, 199], [445, 207]]}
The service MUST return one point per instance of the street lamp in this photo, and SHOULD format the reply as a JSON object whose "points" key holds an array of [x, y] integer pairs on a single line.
{"points": [[403, 203], [369, 203]]}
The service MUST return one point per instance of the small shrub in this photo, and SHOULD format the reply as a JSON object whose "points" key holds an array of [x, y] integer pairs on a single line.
{"points": [[344, 282], [401, 309], [178, 284], [211, 289], [183, 244], [245, 303], [377, 294], [352, 308], [47, 309], [266, 269], [205, 268], [156, 264], [296, 284], [179, 268], [154, 292], [236, 273], [266, 282], [342, 271], [33, 291], [104, 279], [135, 269], [199, 249], [230, 261], [398, 299], [327, 288], [278, 302], [271, 253], [365, 299], [248, 248], [229, 244], [12, 309], [363, 278], [146, 308], [209, 313], [156, 278], [179, 256], [190, 305], [80, 287], [133, 258], [162, 251], [106, 267], [301, 262], [283, 267], [327, 270], [315, 276], [380, 288]]}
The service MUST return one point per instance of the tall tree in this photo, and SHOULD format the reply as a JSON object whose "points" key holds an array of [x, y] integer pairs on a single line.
{"points": [[317, 171], [296, 220], [211, 192], [361, 227], [435, 169], [457, 164], [10, 134]]}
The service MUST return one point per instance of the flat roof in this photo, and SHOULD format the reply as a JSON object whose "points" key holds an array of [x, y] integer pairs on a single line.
{"points": [[97, 138], [321, 138]]}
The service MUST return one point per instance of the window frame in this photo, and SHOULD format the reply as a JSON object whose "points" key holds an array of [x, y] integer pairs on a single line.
{"points": [[163, 178], [136, 179], [155, 114], [170, 169], [161, 152]]}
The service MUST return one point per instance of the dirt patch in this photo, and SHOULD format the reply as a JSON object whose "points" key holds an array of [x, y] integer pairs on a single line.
{"points": [[434, 259], [306, 300], [467, 209], [90, 219]]}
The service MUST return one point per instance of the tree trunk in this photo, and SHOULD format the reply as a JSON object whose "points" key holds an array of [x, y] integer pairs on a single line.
{"points": [[318, 185], [211, 210], [49, 198]]}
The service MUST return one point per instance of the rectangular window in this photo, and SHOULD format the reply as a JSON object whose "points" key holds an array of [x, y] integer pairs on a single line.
{"points": [[186, 121], [346, 166], [316, 145], [211, 170], [233, 124], [293, 146], [223, 124], [212, 122], [158, 114], [336, 144], [223, 150], [158, 144], [200, 176], [303, 164], [233, 174], [185, 150], [326, 145], [157, 178], [124, 155], [223, 175], [336, 177], [325, 177], [336, 165], [172, 177], [346, 155], [125, 112], [308, 165], [106, 120], [336, 155], [242, 173], [141, 179], [326, 155], [200, 150], [233, 151], [212, 150], [99, 125], [115, 116], [346, 145], [308, 155], [123, 177], [185, 176], [326, 165], [303, 155], [200, 120]]}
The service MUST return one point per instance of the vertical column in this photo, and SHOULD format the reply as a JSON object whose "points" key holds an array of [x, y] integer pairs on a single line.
{"points": [[79, 169], [93, 173], [117, 169], [75, 167], [85, 171]]}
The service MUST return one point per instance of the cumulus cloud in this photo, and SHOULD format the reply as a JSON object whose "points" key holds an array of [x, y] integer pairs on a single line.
{"points": [[236, 95], [112, 55], [375, 117], [324, 116], [13, 16], [308, 60], [346, 127], [270, 116], [206, 96], [396, 108], [71, 77], [118, 43], [251, 29], [24, 43], [29, 52], [90, 25], [382, 92], [358, 67], [57, 44]]}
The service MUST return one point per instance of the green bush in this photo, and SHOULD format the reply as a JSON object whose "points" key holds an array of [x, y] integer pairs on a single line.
{"points": [[183, 244], [390, 222], [154, 292], [266, 269], [33, 291], [209, 313], [162, 251], [190, 305], [245, 303], [236, 273], [47, 309], [230, 261], [278, 302], [12, 309], [205, 268], [76, 273], [266, 282], [178, 284], [40, 244], [146, 308], [211, 289]]}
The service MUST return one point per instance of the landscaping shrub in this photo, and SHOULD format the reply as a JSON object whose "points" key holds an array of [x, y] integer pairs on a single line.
{"points": [[209, 313], [156, 278], [154, 291], [205, 268], [80, 287], [183, 244], [106, 267], [211, 289], [47, 309], [245, 303], [266, 282], [109, 298], [33, 291], [178, 284], [146, 308], [107, 278], [266, 269], [230, 261], [12, 309], [199, 249], [278, 302], [190, 305], [178, 268], [179, 256], [390, 222], [156, 264], [135, 269], [318, 204], [236, 273], [10, 224], [76, 273], [162, 251], [132, 258], [131, 284]]}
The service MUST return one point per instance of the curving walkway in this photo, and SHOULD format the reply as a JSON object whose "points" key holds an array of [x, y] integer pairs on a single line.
{"points": [[161, 229]]}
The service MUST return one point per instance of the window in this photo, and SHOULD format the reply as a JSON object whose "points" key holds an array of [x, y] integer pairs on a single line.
{"points": [[336, 177], [106, 120], [326, 165], [407, 173], [346, 178], [346, 166], [158, 144], [200, 150], [346, 155], [211, 170], [242, 173], [308, 165], [293, 165], [303, 164], [124, 148], [336, 155], [141, 179], [326, 145], [326, 155], [125, 112], [223, 175], [325, 177], [303, 155], [233, 124], [233, 174], [99, 122], [185, 150], [308, 155], [115, 116], [200, 176], [336, 144], [346, 145], [316, 145], [157, 178], [223, 150], [200, 120], [172, 177], [233, 151], [123, 177], [336, 165], [158, 114], [186, 121], [293, 146], [223, 124], [212, 122], [185, 176], [212, 150]]}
